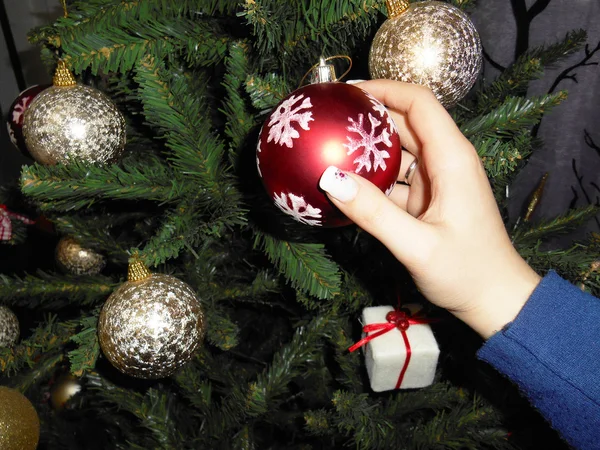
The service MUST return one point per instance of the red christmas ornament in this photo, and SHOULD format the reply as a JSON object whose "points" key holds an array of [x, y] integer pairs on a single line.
{"points": [[15, 115], [321, 125]]}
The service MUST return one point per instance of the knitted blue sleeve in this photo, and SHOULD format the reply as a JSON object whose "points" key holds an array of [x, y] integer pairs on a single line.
{"points": [[552, 352]]}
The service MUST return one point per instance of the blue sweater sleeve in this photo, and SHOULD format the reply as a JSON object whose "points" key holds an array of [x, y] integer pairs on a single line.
{"points": [[552, 352]]}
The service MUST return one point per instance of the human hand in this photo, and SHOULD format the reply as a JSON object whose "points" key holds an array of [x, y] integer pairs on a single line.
{"points": [[444, 226]]}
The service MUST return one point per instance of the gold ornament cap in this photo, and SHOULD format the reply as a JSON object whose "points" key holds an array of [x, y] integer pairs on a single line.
{"points": [[137, 270], [396, 7], [63, 76]]}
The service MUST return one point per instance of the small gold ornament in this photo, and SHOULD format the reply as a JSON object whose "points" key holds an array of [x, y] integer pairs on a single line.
{"points": [[536, 198], [73, 122], [78, 260], [62, 391], [429, 43], [19, 422], [151, 325], [9, 328]]}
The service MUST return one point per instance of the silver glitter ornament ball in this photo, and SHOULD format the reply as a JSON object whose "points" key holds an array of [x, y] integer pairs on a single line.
{"points": [[432, 44], [150, 328], [78, 260], [73, 123], [9, 327]]}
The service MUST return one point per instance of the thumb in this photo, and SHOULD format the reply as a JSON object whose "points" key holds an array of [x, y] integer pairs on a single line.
{"points": [[362, 202]]}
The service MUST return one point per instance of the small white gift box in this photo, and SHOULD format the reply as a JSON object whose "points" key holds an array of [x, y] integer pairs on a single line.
{"points": [[386, 354]]}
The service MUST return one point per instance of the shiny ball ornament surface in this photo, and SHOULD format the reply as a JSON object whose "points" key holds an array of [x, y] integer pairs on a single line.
{"points": [[432, 44], [150, 328], [73, 123], [19, 422], [16, 112], [63, 390], [318, 126], [9, 328], [78, 260]]}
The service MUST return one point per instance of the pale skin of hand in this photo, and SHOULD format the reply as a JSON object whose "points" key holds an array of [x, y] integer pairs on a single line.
{"points": [[445, 227]]}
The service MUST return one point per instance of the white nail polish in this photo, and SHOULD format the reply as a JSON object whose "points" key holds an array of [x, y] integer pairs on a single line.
{"points": [[338, 184], [354, 81]]}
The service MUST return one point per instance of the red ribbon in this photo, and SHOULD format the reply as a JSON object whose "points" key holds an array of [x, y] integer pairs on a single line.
{"points": [[395, 319], [6, 224]]}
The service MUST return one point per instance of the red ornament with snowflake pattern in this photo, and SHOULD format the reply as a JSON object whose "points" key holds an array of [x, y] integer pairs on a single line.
{"points": [[16, 112], [322, 125]]}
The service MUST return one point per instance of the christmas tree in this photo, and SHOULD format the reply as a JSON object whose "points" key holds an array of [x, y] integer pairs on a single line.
{"points": [[278, 302]]}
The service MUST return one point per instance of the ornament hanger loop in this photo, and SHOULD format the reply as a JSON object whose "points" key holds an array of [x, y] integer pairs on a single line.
{"points": [[322, 62]]}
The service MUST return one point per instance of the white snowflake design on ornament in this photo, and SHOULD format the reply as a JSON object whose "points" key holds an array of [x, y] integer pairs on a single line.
{"points": [[11, 134], [281, 130], [382, 110], [258, 150], [368, 142], [300, 210], [19, 110], [389, 190]]}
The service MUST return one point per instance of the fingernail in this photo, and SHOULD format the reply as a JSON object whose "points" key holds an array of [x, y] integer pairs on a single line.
{"points": [[354, 81], [338, 184]]}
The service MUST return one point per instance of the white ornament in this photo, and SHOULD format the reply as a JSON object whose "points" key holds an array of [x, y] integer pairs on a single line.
{"points": [[385, 355], [299, 210], [368, 142], [282, 131]]}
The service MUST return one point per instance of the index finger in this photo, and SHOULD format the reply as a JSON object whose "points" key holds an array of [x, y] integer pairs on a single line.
{"points": [[429, 120]]}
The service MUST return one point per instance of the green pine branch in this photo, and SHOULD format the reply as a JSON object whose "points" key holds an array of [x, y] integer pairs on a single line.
{"points": [[459, 428], [77, 185], [221, 331], [95, 230], [114, 38], [51, 290], [515, 114], [256, 399], [239, 120], [559, 225], [152, 409], [571, 263], [362, 422], [502, 157], [266, 91], [528, 67], [175, 105], [47, 340], [177, 232], [350, 364], [301, 31], [84, 357], [306, 266]]}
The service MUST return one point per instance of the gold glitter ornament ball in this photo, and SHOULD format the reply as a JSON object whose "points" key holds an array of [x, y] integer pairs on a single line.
{"points": [[432, 44], [78, 260], [150, 328], [19, 422], [9, 328], [73, 122]]}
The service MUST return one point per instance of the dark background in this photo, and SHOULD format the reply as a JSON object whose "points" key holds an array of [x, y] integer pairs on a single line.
{"points": [[571, 132]]}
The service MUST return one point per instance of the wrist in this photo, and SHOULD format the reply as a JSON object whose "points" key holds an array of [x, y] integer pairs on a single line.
{"points": [[501, 299]]}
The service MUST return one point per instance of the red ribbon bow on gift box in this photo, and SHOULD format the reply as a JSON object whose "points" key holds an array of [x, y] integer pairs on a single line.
{"points": [[395, 319], [6, 224]]}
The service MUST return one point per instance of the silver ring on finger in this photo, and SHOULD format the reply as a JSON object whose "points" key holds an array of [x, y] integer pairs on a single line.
{"points": [[410, 170]]}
